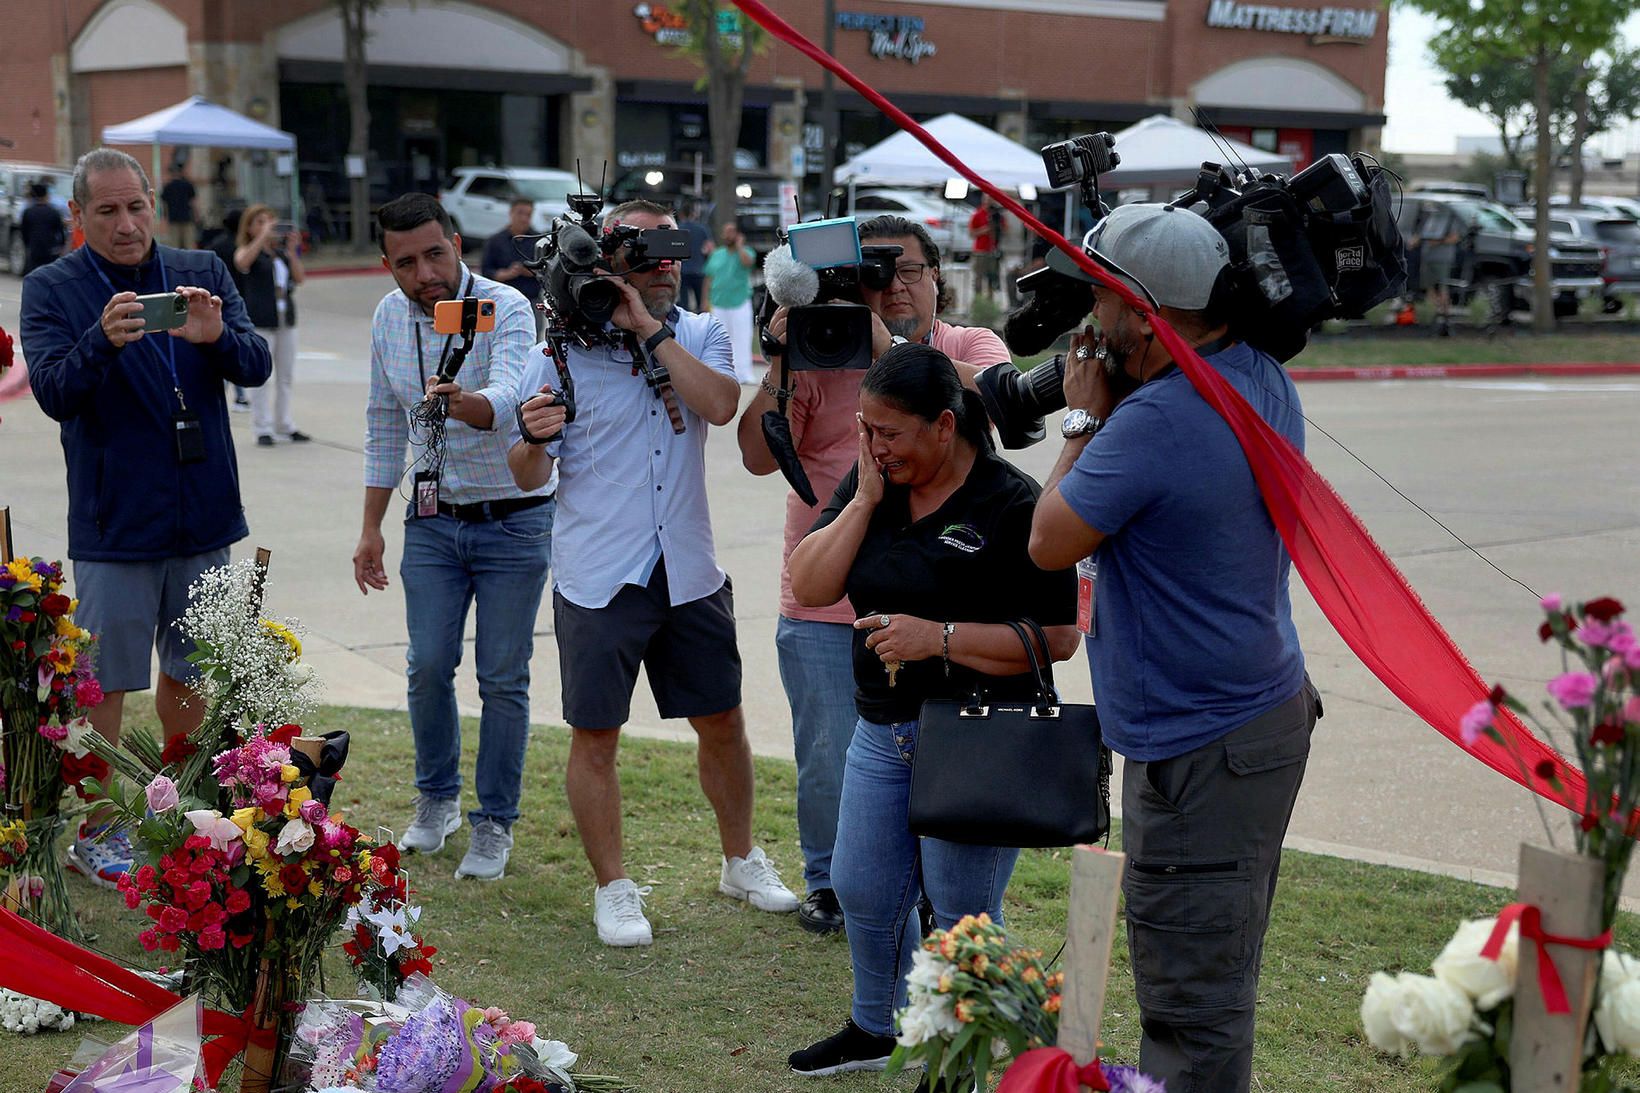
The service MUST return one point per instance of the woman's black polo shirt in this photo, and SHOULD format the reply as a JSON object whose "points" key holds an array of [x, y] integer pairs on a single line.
{"points": [[966, 561]]}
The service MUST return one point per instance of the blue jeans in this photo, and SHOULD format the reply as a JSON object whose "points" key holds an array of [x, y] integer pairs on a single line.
{"points": [[880, 870], [449, 563], [817, 669]]}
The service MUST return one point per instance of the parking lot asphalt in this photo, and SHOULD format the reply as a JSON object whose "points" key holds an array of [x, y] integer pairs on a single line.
{"points": [[1537, 475]]}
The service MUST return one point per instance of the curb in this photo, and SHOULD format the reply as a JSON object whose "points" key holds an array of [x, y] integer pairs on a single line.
{"points": [[345, 271], [1461, 371]]}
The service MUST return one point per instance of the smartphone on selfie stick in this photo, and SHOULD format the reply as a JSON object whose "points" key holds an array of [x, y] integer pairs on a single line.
{"points": [[467, 317]]}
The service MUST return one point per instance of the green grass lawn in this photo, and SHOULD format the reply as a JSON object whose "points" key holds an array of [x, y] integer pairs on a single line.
{"points": [[726, 992]]}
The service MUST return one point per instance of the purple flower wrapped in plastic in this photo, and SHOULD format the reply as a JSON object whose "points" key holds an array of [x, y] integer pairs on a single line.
{"points": [[1128, 1079], [432, 1052]]}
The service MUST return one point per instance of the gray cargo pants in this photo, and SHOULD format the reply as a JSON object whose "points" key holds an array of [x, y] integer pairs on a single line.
{"points": [[1203, 835]]}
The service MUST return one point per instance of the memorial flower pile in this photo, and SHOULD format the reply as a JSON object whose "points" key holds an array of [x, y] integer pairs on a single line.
{"points": [[46, 689], [381, 940]]}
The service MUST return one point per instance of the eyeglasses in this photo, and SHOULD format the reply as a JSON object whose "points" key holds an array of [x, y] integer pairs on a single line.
{"points": [[910, 273]]}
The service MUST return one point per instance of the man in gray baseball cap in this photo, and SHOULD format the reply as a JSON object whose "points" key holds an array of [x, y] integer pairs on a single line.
{"points": [[1190, 637]]}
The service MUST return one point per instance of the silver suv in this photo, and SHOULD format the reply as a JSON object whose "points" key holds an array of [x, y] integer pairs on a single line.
{"points": [[477, 198], [1618, 239], [15, 180]]}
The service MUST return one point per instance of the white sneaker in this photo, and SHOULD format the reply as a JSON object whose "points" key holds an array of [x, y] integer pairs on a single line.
{"points": [[755, 880], [617, 911]]}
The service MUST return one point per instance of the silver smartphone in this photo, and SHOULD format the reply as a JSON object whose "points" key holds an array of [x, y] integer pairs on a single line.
{"points": [[162, 311]]}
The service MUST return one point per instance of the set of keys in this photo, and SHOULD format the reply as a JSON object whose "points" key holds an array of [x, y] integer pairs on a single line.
{"points": [[892, 667]]}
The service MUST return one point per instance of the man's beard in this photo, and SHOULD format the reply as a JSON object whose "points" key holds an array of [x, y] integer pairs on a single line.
{"points": [[1117, 378], [901, 328], [659, 299]]}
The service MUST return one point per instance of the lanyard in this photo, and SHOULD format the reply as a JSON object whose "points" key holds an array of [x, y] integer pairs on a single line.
{"points": [[169, 356]]}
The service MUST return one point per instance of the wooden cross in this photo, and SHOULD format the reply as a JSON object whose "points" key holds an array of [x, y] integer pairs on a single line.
{"points": [[1096, 881], [5, 534]]}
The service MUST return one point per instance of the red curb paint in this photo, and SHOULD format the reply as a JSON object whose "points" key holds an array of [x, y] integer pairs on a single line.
{"points": [[1462, 371]]}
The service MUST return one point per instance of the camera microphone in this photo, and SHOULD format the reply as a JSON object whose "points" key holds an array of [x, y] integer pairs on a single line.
{"points": [[791, 282]]}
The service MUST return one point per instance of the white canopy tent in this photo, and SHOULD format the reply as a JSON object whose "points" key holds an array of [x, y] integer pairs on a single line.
{"points": [[901, 161], [1164, 151], [197, 121]]}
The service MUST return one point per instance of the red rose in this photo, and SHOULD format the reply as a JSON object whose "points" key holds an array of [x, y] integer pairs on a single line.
{"points": [[177, 749], [26, 616], [284, 734], [1607, 732], [55, 605], [1605, 609], [294, 878], [76, 769]]}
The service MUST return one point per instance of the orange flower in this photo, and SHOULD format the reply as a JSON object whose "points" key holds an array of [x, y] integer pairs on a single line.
{"points": [[1051, 1005]]}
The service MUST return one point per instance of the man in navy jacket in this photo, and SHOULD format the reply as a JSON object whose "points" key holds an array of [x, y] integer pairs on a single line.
{"points": [[153, 486]]}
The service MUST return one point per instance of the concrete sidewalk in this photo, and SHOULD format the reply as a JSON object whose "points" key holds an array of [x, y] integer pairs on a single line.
{"points": [[1536, 473]]}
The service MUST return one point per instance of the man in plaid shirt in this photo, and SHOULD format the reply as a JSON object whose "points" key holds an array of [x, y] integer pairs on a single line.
{"points": [[470, 533]]}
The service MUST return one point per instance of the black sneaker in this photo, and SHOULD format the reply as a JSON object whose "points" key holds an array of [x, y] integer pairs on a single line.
{"points": [[820, 913], [264, 441], [849, 1048], [297, 436]]}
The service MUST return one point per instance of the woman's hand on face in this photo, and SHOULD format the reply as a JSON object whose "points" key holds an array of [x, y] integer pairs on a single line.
{"points": [[903, 637], [870, 490]]}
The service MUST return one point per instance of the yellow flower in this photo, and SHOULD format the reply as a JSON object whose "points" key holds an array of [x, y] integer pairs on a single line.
{"points": [[246, 818], [279, 630], [293, 803], [293, 903], [256, 843], [965, 1010], [23, 570], [271, 881], [288, 773], [364, 861]]}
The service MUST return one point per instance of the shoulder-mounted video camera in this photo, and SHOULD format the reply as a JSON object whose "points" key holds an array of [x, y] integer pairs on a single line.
{"points": [[1322, 244], [816, 266], [572, 260]]}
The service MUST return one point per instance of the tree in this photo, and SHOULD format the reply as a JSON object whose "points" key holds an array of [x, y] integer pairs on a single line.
{"points": [[355, 77], [1535, 34], [722, 43], [1608, 96]]}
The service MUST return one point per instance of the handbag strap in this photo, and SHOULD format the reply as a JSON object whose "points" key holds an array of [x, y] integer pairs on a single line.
{"points": [[1046, 693]]}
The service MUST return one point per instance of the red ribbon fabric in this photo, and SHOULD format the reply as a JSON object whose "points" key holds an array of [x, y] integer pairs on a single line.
{"points": [[1051, 1070], [42, 965], [1531, 929], [1353, 581]]}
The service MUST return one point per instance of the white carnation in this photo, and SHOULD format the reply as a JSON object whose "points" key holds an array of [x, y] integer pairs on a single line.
{"points": [[1486, 982], [928, 1017], [1377, 1008], [926, 971], [1616, 969], [1434, 1015], [1618, 1017]]}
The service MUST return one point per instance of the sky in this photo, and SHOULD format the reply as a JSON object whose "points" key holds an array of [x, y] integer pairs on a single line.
{"points": [[1422, 118]]}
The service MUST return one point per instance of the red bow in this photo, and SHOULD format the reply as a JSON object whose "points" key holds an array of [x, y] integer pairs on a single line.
{"points": [[1051, 1070], [42, 965], [1531, 928]]}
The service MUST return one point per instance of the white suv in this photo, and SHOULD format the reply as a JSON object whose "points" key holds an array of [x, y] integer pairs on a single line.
{"points": [[946, 221], [477, 198]]}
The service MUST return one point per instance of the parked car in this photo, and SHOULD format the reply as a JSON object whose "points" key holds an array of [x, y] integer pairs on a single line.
{"points": [[757, 196], [946, 221], [1618, 239], [1626, 208], [1492, 253], [477, 198], [15, 180]]}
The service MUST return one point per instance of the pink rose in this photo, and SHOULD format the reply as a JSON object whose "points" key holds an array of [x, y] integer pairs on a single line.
{"points": [[162, 794], [312, 811], [1553, 603], [1475, 722], [1573, 690]]}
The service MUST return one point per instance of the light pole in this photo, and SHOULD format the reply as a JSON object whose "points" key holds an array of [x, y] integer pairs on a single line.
{"points": [[828, 105]]}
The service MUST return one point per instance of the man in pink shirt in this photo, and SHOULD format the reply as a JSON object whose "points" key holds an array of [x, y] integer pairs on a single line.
{"points": [[815, 645]]}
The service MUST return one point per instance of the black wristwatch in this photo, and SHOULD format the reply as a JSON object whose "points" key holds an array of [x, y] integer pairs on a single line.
{"points": [[654, 340]]}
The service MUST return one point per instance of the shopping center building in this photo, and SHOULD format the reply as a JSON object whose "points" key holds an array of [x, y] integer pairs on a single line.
{"points": [[521, 82]]}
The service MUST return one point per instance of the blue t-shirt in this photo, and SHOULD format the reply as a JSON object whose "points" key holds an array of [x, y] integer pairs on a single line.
{"points": [[1194, 633]]}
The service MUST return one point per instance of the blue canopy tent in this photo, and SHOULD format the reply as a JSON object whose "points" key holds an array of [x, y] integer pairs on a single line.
{"points": [[197, 121]]}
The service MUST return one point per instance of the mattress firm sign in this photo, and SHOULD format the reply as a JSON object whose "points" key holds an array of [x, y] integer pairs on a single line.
{"points": [[1323, 22]]}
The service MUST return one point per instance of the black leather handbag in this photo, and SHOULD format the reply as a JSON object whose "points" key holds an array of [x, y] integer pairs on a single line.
{"points": [[1017, 772]]}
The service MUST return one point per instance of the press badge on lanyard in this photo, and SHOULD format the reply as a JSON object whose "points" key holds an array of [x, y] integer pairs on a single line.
{"points": [[1086, 595]]}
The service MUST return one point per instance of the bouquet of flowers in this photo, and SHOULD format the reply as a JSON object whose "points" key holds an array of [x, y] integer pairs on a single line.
{"points": [[251, 670], [973, 997], [382, 943], [46, 688], [428, 1040]]}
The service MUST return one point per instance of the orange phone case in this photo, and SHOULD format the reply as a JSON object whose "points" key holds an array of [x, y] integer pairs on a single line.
{"points": [[447, 316]]}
